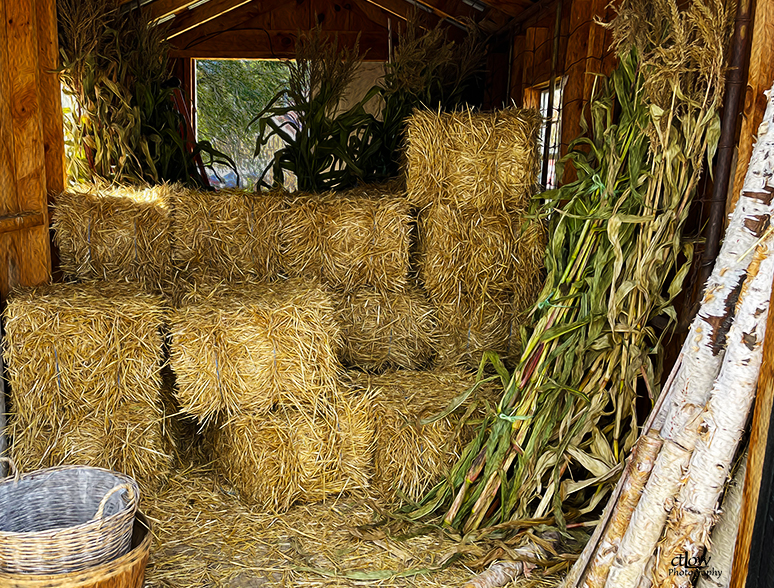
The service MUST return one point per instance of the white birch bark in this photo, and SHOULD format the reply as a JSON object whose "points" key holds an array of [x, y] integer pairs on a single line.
{"points": [[703, 354], [722, 421], [723, 539]]}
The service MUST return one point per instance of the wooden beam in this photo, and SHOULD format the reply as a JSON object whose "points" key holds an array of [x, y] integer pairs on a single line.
{"points": [[761, 431], [159, 9], [22, 220], [278, 44], [517, 8], [404, 11], [190, 19], [227, 21], [759, 79]]}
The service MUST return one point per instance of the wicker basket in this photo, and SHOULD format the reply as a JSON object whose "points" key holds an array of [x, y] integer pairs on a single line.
{"points": [[127, 571], [65, 519]]}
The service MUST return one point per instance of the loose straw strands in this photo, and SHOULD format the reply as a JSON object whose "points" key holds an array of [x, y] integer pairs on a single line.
{"points": [[83, 364], [245, 348], [112, 233], [350, 239], [387, 329]]}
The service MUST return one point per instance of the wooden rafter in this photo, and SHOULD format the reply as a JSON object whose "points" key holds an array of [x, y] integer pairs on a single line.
{"points": [[226, 22], [189, 19], [158, 9], [405, 10], [516, 8]]}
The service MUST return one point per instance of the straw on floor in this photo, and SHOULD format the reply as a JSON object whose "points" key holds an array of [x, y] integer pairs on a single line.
{"points": [[83, 364]]}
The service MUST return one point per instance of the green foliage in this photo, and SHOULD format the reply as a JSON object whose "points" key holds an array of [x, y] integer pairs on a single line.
{"points": [[228, 91], [123, 126], [331, 150], [616, 259]]}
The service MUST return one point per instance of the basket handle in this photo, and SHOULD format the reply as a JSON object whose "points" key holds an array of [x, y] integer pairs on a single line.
{"points": [[12, 469], [101, 509]]}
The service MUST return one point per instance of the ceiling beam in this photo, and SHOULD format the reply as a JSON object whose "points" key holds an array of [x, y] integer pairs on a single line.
{"points": [[225, 22], [406, 11], [158, 9], [253, 44], [516, 8], [192, 18]]}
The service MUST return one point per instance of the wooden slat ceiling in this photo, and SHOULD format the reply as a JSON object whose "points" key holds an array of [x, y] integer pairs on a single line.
{"points": [[193, 23]]}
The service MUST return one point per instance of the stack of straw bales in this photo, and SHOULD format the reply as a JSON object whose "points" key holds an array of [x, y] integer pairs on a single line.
{"points": [[411, 457], [259, 364], [117, 234], [358, 242], [228, 234], [84, 367], [480, 256]]}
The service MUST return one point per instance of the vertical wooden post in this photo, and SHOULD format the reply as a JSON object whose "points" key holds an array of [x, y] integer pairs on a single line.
{"points": [[759, 78]]}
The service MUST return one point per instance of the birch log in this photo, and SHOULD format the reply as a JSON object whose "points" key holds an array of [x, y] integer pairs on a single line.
{"points": [[722, 422], [703, 355], [724, 534]]}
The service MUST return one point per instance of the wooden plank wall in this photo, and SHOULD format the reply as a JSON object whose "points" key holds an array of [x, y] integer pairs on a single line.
{"points": [[31, 143], [583, 51]]}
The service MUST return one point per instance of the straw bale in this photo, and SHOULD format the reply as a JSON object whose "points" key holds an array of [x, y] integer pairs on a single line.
{"points": [[227, 234], [387, 329], [350, 239], [293, 454], [479, 253], [410, 458], [246, 347], [83, 364], [473, 160], [115, 233]]}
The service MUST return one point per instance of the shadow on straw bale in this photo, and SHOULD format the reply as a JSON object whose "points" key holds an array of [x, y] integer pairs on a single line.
{"points": [[350, 239], [296, 454], [473, 160], [243, 348], [113, 233], [411, 457], [84, 367], [387, 329], [227, 234]]}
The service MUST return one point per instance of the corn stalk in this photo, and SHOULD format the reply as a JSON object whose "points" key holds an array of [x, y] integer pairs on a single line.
{"points": [[616, 259]]}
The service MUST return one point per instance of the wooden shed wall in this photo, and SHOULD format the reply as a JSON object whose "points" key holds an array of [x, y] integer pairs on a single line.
{"points": [[31, 139]]}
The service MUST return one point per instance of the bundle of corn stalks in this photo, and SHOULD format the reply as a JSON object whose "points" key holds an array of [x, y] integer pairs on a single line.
{"points": [[666, 505], [567, 418]]}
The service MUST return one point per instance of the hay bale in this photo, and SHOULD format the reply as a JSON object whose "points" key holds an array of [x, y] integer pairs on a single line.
{"points": [[83, 364], [111, 233], [227, 234], [410, 458], [244, 348], [350, 239], [473, 160], [480, 252], [469, 326], [297, 454], [387, 329]]}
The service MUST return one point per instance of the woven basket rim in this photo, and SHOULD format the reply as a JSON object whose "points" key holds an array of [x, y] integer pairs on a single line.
{"points": [[132, 505]]}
